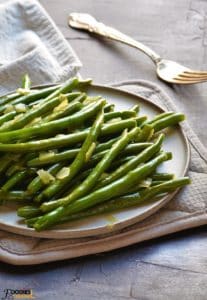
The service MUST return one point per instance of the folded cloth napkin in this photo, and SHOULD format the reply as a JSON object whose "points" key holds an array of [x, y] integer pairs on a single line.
{"points": [[31, 43], [186, 210]]}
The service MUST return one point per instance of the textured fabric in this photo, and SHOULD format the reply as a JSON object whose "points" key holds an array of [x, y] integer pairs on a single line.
{"points": [[188, 209], [31, 43]]}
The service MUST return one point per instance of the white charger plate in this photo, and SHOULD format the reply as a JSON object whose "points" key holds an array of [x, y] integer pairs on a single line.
{"points": [[175, 142]]}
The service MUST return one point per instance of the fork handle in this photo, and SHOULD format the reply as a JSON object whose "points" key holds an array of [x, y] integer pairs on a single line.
{"points": [[89, 23]]}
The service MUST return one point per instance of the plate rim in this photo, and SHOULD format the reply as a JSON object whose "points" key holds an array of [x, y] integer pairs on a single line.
{"points": [[106, 230]]}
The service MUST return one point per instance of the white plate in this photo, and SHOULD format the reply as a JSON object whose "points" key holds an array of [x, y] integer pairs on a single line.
{"points": [[175, 142]]}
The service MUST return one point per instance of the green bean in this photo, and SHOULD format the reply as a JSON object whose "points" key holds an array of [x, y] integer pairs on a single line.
{"points": [[68, 86], [29, 211], [103, 194], [67, 139], [20, 163], [14, 167], [73, 184], [70, 154], [71, 96], [84, 83], [77, 180], [140, 120], [31, 114], [93, 177], [129, 149], [109, 108], [26, 82], [136, 147], [138, 187], [135, 108], [8, 159], [127, 155], [14, 180], [31, 97], [106, 145], [162, 176], [7, 117], [156, 182], [145, 134], [8, 98], [30, 221], [116, 164], [53, 126], [128, 201], [160, 116], [89, 100], [114, 128], [5, 161], [80, 159], [54, 158], [71, 108], [17, 196], [100, 150], [146, 183], [168, 121], [96, 159], [36, 184], [142, 157], [87, 170], [119, 114]]}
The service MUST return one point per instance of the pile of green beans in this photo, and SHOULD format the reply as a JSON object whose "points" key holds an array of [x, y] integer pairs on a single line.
{"points": [[67, 156]]}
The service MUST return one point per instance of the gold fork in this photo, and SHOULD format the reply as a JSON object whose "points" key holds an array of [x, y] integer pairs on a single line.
{"points": [[167, 70]]}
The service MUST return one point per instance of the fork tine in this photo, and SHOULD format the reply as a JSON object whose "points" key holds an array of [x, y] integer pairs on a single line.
{"points": [[184, 81], [192, 75], [196, 72], [184, 78], [189, 77]]}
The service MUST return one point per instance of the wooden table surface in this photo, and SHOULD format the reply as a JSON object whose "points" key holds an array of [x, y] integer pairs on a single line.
{"points": [[172, 267]]}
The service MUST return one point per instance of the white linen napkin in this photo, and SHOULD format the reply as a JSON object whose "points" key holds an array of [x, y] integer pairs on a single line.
{"points": [[31, 43]]}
